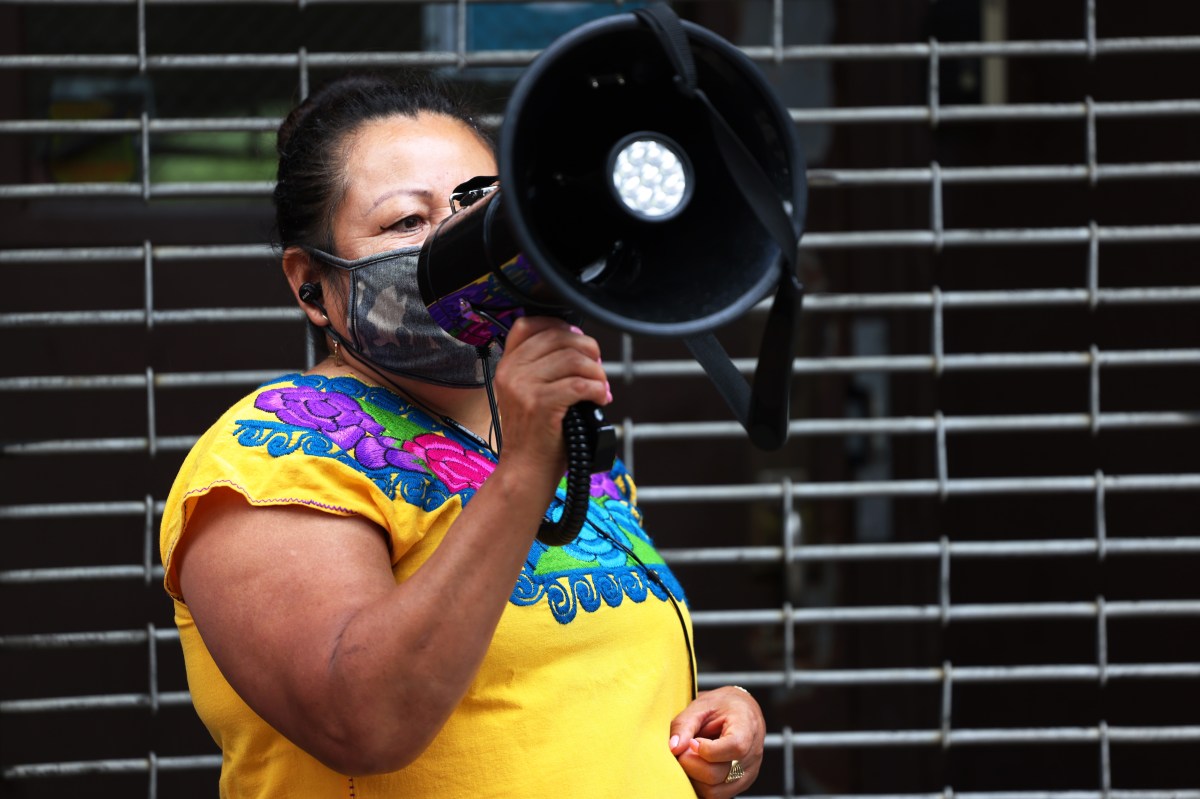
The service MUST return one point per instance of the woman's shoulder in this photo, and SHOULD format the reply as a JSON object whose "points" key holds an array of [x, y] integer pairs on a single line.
{"points": [[342, 410]]}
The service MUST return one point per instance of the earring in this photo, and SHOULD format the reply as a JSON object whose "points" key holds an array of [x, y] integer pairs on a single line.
{"points": [[337, 353]]}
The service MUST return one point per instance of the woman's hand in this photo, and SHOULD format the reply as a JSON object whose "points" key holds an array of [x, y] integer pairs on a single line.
{"points": [[547, 367], [717, 728]]}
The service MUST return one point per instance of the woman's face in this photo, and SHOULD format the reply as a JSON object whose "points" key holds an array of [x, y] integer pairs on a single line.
{"points": [[399, 174]]}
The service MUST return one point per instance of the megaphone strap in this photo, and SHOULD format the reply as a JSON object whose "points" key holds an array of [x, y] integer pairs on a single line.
{"points": [[754, 185], [747, 173], [665, 24]]}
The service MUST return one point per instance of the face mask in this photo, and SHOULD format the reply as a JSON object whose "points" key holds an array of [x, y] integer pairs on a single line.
{"points": [[391, 328]]}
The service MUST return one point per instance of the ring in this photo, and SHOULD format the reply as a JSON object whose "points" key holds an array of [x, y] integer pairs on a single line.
{"points": [[736, 772]]}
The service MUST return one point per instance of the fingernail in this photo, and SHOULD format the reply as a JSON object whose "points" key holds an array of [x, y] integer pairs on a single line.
{"points": [[694, 745], [608, 391], [576, 330], [674, 741]]}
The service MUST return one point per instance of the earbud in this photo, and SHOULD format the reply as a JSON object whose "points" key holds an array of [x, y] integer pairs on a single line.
{"points": [[310, 292]]}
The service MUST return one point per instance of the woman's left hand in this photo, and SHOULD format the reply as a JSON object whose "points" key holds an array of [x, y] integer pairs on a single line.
{"points": [[717, 728]]}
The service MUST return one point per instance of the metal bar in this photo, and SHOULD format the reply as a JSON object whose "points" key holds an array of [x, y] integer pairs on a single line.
{"points": [[903, 301], [952, 794], [1016, 112], [1044, 735], [139, 317], [868, 239], [97, 445], [803, 678], [51, 127], [146, 191], [1008, 611], [101, 702], [162, 254], [817, 303], [281, 61], [79, 573], [668, 431], [962, 674], [765, 554], [818, 179], [977, 175], [930, 550], [904, 51], [665, 368], [998, 611], [981, 486], [813, 240], [105, 382], [116, 766], [86, 640]]}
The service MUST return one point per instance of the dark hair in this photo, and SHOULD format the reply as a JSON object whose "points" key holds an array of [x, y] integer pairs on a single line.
{"points": [[310, 144]]}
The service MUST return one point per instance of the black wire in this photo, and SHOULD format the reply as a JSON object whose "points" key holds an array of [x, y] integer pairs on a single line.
{"points": [[447, 421], [491, 395], [687, 638]]}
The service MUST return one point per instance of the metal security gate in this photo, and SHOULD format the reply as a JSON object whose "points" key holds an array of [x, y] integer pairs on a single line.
{"points": [[972, 569]]}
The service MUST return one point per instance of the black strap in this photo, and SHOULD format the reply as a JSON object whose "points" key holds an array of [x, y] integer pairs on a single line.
{"points": [[748, 175], [763, 410], [666, 26]]}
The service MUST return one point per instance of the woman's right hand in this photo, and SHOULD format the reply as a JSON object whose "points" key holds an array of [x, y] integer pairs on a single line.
{"points": [[547, 366]]}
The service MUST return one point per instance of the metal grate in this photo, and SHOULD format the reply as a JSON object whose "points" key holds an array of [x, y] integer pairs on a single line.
{"points": [[970, 571]]}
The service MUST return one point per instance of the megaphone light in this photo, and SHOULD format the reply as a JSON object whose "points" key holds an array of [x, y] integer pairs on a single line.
{"points": [[651, 176]]}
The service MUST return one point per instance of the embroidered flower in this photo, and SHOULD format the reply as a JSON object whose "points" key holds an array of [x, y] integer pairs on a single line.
{"points": [[378, 453], [603, 485], [336, 415], [455, 466], [591, 547], [624, 518]]}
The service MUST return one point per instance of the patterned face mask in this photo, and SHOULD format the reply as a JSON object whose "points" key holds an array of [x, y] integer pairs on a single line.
{"points": [[391, 328]]}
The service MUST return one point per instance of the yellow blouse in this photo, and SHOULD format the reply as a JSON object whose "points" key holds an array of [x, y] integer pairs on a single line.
{"points": [[587, 668]]}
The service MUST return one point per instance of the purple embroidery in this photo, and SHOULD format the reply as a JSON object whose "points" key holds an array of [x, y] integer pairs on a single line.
{"points": [[381, 452], [337, 416], [603, 485]]}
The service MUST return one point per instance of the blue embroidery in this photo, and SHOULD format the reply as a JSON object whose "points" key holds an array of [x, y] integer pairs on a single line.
{"points": [[568, 591]]}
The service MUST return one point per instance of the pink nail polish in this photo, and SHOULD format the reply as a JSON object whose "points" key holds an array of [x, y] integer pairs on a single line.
{"points": [[694, 745], [576, 330], [674, 741]]}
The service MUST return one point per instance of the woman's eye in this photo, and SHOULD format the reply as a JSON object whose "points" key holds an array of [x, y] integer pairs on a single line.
{"points": [[408, 224]]}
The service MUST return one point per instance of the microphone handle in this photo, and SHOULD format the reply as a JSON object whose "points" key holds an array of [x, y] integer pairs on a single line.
{"points": [[591, 445]]}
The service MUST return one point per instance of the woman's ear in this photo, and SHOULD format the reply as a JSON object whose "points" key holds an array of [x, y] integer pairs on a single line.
{"points": [[301, 276]]}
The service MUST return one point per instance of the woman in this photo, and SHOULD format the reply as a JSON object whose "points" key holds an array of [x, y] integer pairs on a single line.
{"points": [[342, 546]]}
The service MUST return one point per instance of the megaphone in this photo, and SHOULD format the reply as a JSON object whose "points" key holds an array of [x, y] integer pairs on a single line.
{"points": [[649, 179]]}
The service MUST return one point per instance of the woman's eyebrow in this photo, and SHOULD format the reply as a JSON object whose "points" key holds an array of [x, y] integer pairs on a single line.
{"points": [[424, 194]]}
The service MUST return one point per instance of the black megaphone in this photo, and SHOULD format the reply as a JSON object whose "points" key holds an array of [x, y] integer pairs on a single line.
{"points": [[649, 179]]}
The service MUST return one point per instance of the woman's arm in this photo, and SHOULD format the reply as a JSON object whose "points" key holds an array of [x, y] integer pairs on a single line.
{"points": [[303, 617]]}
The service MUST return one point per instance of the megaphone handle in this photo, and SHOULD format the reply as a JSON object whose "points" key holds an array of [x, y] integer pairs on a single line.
{"points": [[591, 447]]}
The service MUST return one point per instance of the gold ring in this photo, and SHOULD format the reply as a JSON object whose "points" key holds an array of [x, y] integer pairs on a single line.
{"points": [[736, 772]]}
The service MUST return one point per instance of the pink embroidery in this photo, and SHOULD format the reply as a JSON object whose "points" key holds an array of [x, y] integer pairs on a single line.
{"points": [[455, 466]]}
